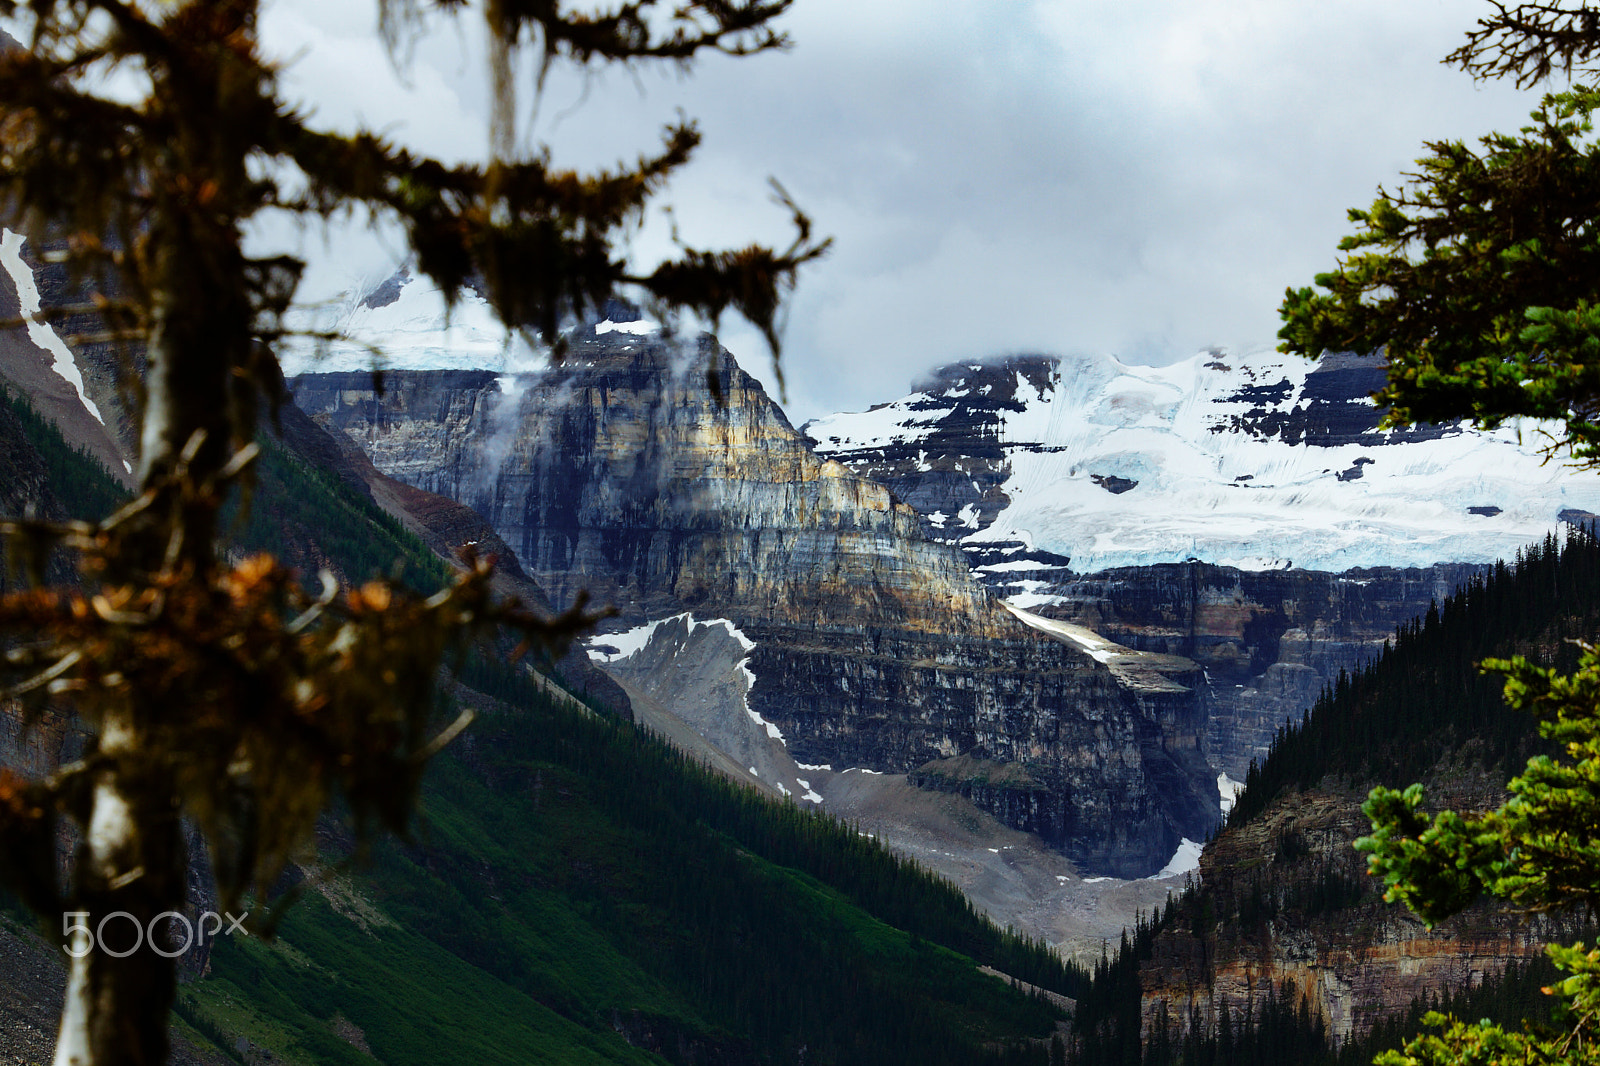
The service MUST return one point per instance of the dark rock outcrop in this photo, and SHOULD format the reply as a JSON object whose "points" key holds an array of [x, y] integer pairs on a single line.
{"points": [[449, 528], [1287, 899], [1268, 641]]}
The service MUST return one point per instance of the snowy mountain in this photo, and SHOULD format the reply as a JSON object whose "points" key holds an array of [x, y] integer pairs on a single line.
{"points": [[650, 472], [1258, 461]]}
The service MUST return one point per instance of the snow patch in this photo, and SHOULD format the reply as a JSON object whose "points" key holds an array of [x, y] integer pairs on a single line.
{"points": [[1008, 566], [814, 766], [1030, 593], [39, 331], [1185, 860], [1098, 647], [1229, 789], [638, 328], [614, 647]]}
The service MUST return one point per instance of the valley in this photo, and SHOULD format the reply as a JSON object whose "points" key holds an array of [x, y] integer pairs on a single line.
{"points": [[798, 616]]}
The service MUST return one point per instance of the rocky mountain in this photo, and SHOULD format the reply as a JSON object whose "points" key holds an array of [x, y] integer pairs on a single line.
{"points": [[654, 473], [800, 615], [1242, 510], [576, 890]]}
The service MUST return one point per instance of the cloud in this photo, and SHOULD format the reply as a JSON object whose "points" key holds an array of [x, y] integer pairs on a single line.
{"points": [[1060, 175]]}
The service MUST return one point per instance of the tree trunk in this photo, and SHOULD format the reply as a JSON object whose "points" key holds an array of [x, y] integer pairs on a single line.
{"points": [[128, 873], [130, 867]]}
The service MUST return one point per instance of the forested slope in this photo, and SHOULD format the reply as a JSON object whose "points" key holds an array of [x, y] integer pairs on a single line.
{"points": [[1285, 951]]}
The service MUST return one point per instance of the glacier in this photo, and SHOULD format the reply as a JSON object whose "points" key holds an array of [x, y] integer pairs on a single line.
{"points": [[1255, 460]]}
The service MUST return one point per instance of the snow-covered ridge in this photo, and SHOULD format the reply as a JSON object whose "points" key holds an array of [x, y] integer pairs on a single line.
{"points": [[677, 637], [404, 324], [40, 331], [1256, 460]]}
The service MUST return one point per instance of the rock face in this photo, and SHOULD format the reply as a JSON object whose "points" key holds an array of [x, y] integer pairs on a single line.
{"points": [[945, 450], [447, 527], [1289, 900], [1266, 641], [660, 477], [1035, 465], [620, 474]]}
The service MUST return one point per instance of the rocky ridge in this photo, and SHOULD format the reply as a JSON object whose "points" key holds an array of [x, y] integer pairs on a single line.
{"points": [[1289, 900], [623, 472]]}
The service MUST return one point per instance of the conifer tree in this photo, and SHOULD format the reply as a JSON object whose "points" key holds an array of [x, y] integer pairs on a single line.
{"points": [[225, 693], [1480, 277], [1481, 280]]}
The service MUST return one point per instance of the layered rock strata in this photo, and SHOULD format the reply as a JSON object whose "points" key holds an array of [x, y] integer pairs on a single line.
{"points": [[1267, 642], [656, 475], [979, 448]]}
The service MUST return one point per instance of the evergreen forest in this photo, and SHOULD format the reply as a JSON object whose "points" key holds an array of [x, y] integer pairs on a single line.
{"points": [[1419, 706]]}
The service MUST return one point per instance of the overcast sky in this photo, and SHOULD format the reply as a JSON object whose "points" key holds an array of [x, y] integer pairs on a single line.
{"points": [[1064, 176]]}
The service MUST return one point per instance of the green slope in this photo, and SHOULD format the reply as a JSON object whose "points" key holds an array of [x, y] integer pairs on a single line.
{"points": [[1424, 697], [558, 890], [575, 888]]}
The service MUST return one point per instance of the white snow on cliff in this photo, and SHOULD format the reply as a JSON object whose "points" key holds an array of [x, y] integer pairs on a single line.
{"points": [[40, 331], [1185, 860], [1099, 648], [1228, 789], [613, 647], [1205, 490]]}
